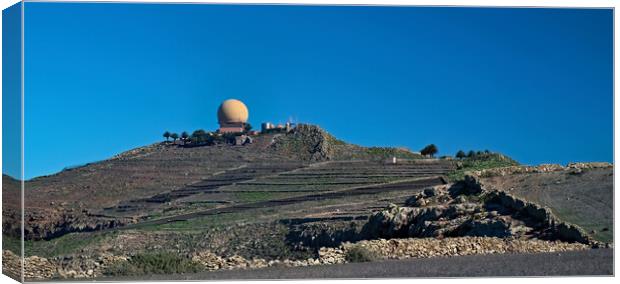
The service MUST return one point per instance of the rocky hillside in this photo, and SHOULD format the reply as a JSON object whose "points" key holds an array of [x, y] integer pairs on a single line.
{"points": [[11, 203], [129, 186], [570, 204], [466, 218], [311, 143], [297, 199], [72, 199], [579, 193]]}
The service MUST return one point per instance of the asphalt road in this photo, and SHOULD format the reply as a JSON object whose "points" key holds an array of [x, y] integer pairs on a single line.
{"points": [[595, 262]]}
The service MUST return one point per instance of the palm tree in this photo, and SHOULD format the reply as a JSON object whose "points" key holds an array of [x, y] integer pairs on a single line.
{"points": [[166, 135], [174, 137], [460, 154]]}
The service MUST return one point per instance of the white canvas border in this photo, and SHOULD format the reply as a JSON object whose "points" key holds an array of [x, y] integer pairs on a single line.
{"points": [[496, 3]]}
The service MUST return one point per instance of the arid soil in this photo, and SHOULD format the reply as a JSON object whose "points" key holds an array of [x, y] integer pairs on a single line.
{"points": [[161, 178], [584, 198], [298, 199]]}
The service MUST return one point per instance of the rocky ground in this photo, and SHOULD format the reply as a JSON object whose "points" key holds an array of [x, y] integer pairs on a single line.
{"points": [[40, 268], [93, 267], [581, 194], [467, 209], [296, 200], [153, 180]]}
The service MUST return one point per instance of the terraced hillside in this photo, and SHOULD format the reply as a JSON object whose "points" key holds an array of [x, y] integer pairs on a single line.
{"points": [[164, 179], [250, 210], [73, 198], [297, 199], [330, 182]]}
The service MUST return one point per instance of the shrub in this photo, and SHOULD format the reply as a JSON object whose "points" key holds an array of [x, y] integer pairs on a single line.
{"points": [[154, 263], [360, 254], [247, 127], [480, 162], [201, 137], [429, 150]]}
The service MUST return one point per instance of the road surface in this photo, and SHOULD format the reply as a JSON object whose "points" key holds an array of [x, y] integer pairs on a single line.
{"points": [[595, 262]]}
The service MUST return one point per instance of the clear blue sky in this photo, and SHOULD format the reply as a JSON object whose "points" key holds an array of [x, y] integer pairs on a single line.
{"points": [[535, 84]]}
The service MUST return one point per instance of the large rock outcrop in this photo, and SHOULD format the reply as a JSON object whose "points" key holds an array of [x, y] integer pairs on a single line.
{"points": [[443, 211], [307, 142], [312, 143], [468, 209]]}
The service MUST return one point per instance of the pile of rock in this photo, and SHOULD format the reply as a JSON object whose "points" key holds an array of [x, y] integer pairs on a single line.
{"points": [[431, 247], [38, 268], [80, 267], [35, 268], [590, 165], [542, 168], [332, 255], [85, 267], [397, 249], [11, 264], [503, 171], [211, 261]]}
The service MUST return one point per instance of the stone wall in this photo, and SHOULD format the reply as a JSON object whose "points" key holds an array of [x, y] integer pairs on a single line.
{"points": [[40, 268], [543, 168], [35, 267], [431, 247]]}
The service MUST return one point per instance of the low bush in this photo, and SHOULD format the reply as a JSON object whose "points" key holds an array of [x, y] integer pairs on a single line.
{"points": [[360, 254], [154, 263], [480, 162]]}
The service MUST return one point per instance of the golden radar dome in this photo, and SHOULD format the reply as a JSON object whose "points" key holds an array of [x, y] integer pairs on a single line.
{"points": [[232, 111]]}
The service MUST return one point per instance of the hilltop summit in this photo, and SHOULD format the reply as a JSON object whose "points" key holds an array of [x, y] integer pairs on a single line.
{"points": [[75, 199], [312, 143]]}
